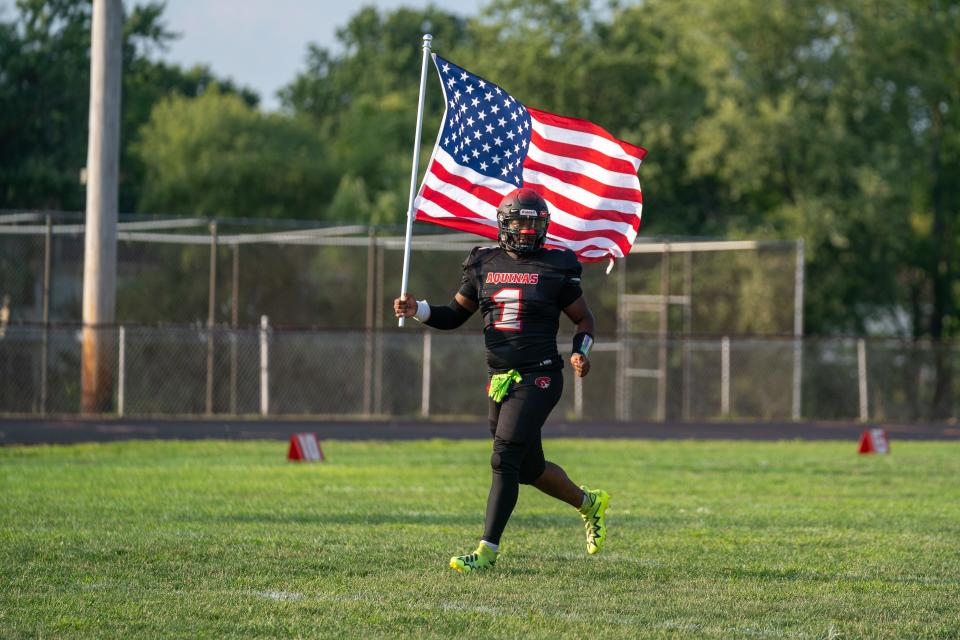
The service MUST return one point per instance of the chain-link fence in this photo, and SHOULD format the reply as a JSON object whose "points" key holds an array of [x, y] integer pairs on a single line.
{"points": [[187, 270], [191, 293], [417, 373]]}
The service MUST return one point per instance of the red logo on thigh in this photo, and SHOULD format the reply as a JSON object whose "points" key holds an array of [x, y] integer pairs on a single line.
{"points": [[543, 382]]}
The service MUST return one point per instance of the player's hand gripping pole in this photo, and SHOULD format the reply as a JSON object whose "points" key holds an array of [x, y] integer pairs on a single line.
{"points": [[427, 39]]}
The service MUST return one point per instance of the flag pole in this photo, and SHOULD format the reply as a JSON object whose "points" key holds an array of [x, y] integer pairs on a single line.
{"points": [[427, 39]]}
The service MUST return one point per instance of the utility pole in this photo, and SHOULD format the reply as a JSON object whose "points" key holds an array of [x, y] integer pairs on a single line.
{"points": [[100, 241]]}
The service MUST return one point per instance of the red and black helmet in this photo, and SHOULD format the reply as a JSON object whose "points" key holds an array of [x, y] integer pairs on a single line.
{"points": [[523, 218]]}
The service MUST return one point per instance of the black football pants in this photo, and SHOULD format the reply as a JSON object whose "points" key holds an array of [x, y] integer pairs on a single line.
{"points": [[517, 448]]}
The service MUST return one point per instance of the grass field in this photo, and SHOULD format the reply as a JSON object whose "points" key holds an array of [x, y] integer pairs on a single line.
{"points": [[707, 540]]}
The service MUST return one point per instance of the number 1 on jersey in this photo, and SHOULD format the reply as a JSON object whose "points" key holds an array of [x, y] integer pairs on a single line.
{"points": [[509, 302]]}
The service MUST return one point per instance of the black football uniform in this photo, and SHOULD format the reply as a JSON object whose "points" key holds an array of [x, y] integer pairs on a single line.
{"points": [[521, 300]]}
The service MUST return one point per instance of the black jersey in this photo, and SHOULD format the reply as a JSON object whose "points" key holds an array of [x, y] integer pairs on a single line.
{"points": [[521, 300]]}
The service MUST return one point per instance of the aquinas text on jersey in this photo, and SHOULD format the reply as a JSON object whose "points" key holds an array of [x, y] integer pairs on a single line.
{"points": [[512, 278]]}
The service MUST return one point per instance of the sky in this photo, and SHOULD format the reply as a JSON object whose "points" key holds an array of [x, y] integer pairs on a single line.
{"points": [[262, 44]]}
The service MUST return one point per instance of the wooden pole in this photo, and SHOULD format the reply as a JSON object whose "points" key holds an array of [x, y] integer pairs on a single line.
{"points": [[100, 241]]}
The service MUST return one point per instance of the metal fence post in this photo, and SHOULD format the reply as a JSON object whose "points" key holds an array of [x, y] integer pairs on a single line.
{"points": [[622, 353], [211, 311], [687, 330], [862, 379], [264, 366], [368, 324], [122, 371], [234, 322], [798, 333], [578, 397], [427, 359], [44, 356], [662, 351], [378, 322], [725, 376]]}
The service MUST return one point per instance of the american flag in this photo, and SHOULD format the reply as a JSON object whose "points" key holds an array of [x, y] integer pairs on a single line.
{"points": [[490, 144]]}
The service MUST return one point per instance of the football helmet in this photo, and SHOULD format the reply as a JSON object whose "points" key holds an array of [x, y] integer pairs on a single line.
{"points": [[523, 218]]}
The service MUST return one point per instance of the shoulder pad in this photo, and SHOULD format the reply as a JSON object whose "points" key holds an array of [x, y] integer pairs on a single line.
{"points": [[477, 254]]}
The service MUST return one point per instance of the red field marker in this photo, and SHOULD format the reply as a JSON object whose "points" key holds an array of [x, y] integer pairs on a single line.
{"points": [[874, 441], [305, 447]]}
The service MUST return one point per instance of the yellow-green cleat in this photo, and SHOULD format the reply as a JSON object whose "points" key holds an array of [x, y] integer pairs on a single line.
{"points": [[593, 519], [483, 558]]}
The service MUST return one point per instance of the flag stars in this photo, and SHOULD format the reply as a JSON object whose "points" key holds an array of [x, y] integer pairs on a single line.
{"points": [[485, 126]]}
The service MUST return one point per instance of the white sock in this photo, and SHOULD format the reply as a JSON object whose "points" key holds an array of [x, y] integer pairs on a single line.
{"points": [[493, 547]]}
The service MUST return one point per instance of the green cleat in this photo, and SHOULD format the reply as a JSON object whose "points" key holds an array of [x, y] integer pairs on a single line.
{"points": [[483, 558], [593, 520]]}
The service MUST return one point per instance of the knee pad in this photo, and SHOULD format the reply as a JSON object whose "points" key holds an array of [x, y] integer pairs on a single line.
{"points": [[506, 457]]}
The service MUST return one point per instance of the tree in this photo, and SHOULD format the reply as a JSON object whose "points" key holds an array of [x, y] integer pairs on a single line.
{"points": [[215, 155], [365, 100], [44, 98]]}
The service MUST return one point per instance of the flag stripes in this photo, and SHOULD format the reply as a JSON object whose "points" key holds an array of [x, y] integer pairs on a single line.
{"points": [[490, 144]]}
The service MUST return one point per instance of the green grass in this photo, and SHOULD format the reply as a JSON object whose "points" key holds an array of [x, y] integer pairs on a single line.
{"points": [[707, 540]]}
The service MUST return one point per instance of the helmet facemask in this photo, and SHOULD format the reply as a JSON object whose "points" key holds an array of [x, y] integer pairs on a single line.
{"points": [[523, 219]]}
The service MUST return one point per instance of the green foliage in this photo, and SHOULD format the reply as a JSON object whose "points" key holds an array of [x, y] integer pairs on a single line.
{"points": [[44, 99], [216, 155], [835, 121]]}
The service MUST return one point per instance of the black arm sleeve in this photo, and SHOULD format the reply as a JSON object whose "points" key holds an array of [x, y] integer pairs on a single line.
{"points": [[449, 317]]}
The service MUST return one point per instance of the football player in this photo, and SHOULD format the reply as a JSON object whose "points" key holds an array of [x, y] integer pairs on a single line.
{"points": [[520, 288]]}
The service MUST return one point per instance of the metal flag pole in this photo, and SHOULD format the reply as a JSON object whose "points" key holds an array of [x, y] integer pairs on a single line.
{"points": [[427, 39]]}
